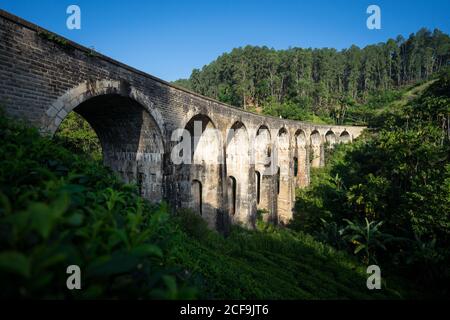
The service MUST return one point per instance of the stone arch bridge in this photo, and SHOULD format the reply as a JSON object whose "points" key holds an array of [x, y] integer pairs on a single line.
{"points": [[256, 165]]}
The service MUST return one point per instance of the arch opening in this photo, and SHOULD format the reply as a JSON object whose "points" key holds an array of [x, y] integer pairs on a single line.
{"points": [[278, 181], [330, 138], [263, 165], [316, 149], [238, 166], [204, 166], [345, 137], [295, 166], [232, 194], [78, 135], [258, 186], [130, 139]]}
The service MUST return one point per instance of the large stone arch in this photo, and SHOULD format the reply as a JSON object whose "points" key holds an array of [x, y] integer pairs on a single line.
{"points": [[124, 121], [86, 90], [238, 162], [205, 168]]}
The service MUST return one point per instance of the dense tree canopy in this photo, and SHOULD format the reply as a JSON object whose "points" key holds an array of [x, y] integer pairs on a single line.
{"points": [[320, 82]]}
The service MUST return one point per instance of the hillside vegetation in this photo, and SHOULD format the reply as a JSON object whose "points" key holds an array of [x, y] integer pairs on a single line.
{"points": [[386, 197], [320, 85], [59, 208]]}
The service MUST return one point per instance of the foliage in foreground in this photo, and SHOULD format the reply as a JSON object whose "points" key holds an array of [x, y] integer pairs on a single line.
{"points": [[59, 209]]}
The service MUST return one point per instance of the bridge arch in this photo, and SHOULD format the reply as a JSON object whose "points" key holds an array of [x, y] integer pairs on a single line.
{"points": [[124, 121], [330, 138], [86, 90], [345, 137], [316, 149], [205, 167], [264, 167], [238, 166]]}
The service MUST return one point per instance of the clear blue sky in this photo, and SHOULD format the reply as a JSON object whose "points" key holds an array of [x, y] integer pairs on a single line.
{"points": [[169, 38]]}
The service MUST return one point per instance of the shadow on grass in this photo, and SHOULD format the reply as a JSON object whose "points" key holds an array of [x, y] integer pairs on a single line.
{"points": [[270, 263]]}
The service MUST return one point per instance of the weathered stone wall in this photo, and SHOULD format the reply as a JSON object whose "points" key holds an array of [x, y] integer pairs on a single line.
{"points": [[135, 114]]}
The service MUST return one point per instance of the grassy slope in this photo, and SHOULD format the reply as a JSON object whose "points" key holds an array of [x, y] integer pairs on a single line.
{"points": [[272, 263], [268, 263], [408, 94]]}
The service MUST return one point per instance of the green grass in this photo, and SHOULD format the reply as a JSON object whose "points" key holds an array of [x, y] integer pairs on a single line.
{"points": [[272, 263]]}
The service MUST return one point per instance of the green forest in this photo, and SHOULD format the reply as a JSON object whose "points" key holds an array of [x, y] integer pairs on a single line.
{"points": [[384, 199], [320, 85], [60, 206]]}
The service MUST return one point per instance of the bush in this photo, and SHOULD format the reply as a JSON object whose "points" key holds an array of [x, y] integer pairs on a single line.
{"points": [[400, 175], [59, 209], [76, 134]]}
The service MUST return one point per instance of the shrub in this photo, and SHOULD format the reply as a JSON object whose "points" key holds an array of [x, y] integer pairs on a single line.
{"points": [[58, 209], [400, 175]]}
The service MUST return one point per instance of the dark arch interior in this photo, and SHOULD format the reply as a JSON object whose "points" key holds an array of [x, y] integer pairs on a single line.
{"points": [[258, 186], [232, 189], [278, 180], [295, 166], [121, 123], [282, 132], [131, 141]]}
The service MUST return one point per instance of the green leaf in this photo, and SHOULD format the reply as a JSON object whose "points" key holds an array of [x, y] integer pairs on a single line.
{"points": [[75, 219], [359, 248], [19, 221], [5, 204], [147, 250], [15, 262], [41, 219], [117, 263], [170, 283]]}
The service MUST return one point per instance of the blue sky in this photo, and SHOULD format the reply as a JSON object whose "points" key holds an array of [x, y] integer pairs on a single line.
{"points": [[169, 38]]}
